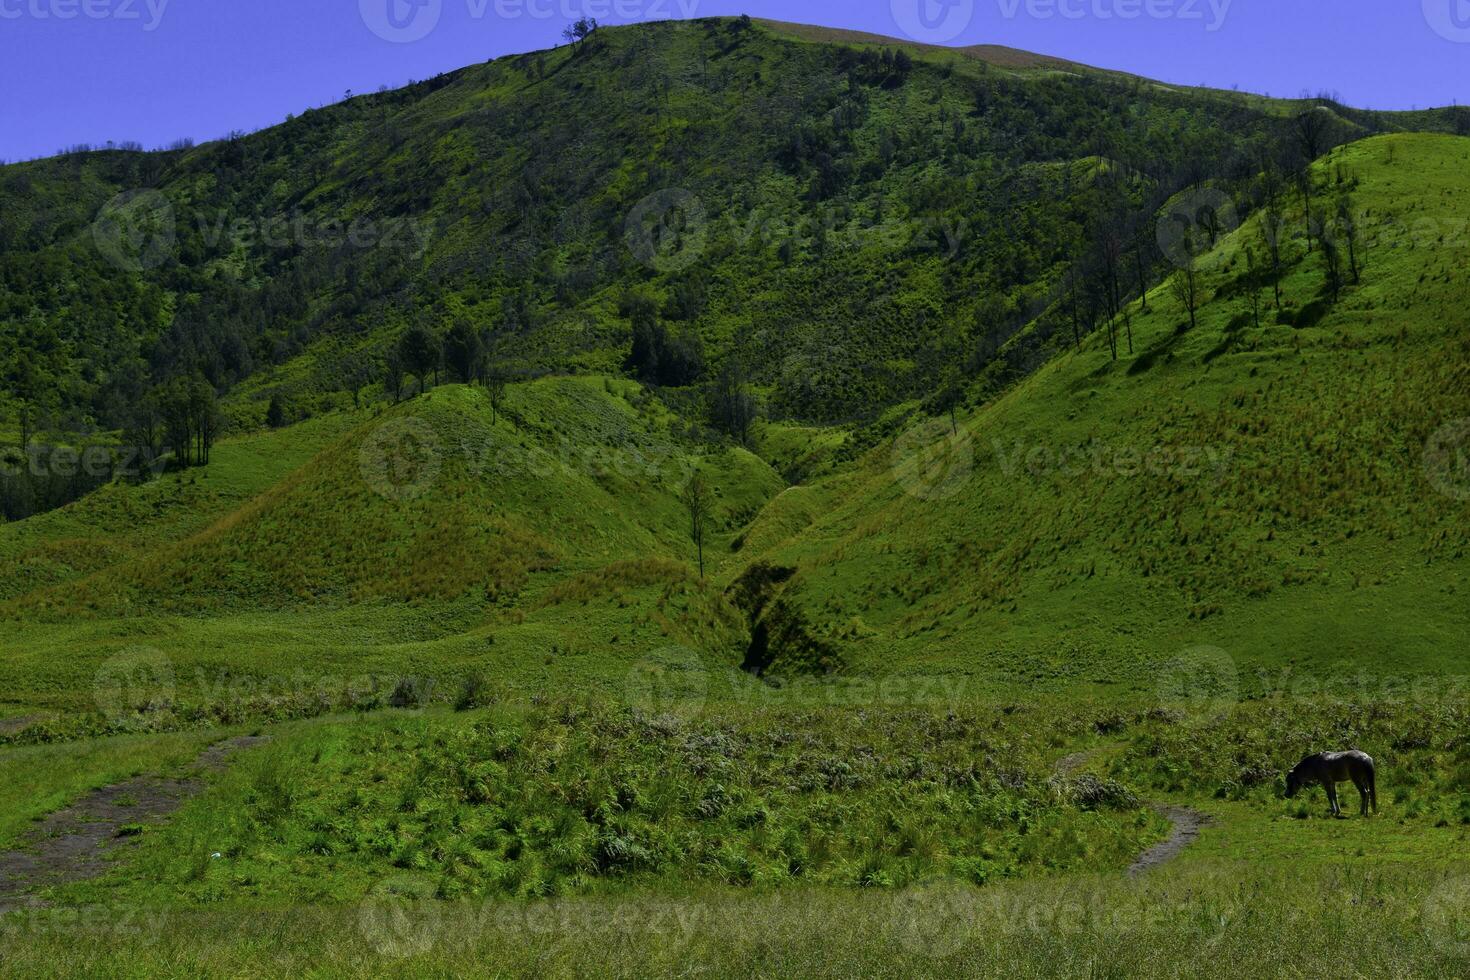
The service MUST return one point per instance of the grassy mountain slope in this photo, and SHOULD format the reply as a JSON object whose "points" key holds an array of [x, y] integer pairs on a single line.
{"points": [[859, 239], [126, 521], [855, 214], [507, 717], [1261, 489]]}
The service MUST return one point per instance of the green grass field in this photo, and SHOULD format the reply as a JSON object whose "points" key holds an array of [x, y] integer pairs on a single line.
{"points": [[510, 732]]}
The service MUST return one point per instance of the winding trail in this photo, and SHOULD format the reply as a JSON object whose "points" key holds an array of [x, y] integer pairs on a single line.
{"points": [[1185, 822], [77, 842]]}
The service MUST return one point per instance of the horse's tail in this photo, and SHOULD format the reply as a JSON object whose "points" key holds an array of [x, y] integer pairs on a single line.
{"points": [[1373, 784]]}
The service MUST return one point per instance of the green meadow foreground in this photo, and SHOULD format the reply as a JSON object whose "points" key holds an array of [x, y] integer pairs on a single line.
{"points": [[574, 839], [918, 715]]}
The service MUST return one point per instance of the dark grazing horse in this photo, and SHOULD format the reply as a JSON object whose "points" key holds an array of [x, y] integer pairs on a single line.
{"points": [[1331, 768]]}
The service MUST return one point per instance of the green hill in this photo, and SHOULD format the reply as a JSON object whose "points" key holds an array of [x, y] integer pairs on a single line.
{"points": [[1264, 490], [829, 213], [1114, 485], [1077, 453]]}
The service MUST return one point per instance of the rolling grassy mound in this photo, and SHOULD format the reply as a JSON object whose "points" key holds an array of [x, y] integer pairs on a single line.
{"points": [[842, 213], [127, 521], [1260, 489], [439, 499]]}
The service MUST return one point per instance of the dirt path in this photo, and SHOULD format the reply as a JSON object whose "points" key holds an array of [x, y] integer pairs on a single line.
{"points": [[1186, 827], [1186, 822], [1068, 764], [76, 842]]}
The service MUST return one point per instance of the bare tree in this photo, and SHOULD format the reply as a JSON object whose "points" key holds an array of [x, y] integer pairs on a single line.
{"points": [[421, 351], [1141, 243], [732, 405], [1253, 274], [1310, 133], [394, 374], [1072, 304], [697, 506], [496, 379], [1347, 227], [1321, 229], [578, 32], [1186, 285]]}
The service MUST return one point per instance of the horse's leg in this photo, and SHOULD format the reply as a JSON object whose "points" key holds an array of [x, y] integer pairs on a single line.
{"points": [[1373, 789], [1362, 785], [1332, 798]]}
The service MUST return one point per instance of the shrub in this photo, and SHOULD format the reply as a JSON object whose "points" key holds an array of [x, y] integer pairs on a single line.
{"points": [[474, 692]]}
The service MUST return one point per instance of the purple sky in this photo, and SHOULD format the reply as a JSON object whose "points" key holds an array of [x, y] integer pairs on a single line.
{"points": [[78, 71]]}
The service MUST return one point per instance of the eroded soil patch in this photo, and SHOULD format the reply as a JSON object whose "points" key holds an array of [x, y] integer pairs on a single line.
{"points": [[1185, 829], [78, 841]]}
